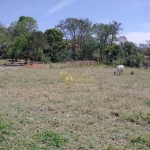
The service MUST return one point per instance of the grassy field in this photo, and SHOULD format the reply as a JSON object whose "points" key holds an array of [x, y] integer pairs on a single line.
{"points": [[39, 111]]}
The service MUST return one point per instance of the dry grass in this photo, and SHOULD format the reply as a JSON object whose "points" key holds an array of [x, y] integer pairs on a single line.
{"points": [[111, 114]]}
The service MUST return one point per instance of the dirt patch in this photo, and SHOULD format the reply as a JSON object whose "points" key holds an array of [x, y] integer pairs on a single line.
{"points": [[37, 66]]}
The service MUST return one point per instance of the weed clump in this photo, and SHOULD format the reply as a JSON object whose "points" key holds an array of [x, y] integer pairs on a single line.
{"points": [[141, 142], [147, 102], [139, 118], [52, 139], [132, 72]]}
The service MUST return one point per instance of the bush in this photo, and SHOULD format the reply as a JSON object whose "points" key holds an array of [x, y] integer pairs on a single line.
{"points": [[45, 59], [119, 61]]}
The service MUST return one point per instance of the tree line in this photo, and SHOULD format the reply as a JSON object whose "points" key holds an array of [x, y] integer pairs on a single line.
{"points": [[71, 39]]}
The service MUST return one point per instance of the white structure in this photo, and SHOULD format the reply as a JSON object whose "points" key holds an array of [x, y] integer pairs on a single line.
{"points": [[119, 70]]}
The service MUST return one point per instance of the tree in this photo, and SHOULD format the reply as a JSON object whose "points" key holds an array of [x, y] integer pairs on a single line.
{"points": [[111, 53], [24, 26], [106, 34], [148, 47], [56, 44], [77, 30], [141, 45], [21, 30], [131, 55], [115, 27], [101, 32], [143, 49], [36, 41], [5, 40], [148, 52], [19, 44], [148, 43], [122, 40], [87, 51], [84, 32], [69, 28]]}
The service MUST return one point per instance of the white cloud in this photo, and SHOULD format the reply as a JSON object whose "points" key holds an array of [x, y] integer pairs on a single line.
{"points": [[137, 37], [59, 6]]}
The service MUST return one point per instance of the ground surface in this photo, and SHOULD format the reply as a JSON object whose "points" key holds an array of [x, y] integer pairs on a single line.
{"points": [[39, 110]]}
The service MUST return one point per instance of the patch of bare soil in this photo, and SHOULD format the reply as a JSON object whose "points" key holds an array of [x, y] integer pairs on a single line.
{"points": [[36, 66]]}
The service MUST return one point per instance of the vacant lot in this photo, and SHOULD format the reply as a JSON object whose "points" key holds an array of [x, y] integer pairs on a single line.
{"points": [[39, 111]]}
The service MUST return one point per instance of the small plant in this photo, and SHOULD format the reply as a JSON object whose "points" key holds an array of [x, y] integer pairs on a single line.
{"points": [[138, 139], [132, 72], [6, 134], [142, 141], [50, 138], [4, 130], [139, 118], [147, 102], [136, 117], [50, 108]]}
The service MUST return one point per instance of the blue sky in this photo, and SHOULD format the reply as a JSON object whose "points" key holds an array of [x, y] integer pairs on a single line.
{"points": [[133, 14]]}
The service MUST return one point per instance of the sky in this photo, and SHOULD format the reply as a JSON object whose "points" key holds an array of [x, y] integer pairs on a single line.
{"points": [[133, 14]]}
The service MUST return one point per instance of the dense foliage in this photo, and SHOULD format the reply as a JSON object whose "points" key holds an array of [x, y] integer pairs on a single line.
{"points": [[72, 38]]}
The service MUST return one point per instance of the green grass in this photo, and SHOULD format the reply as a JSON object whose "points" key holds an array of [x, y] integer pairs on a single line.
{"points": [[51, 139], [147, 102], [139, 118], [39, 111]]}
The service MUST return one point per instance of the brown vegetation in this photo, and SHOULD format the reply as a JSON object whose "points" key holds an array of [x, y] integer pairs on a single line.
{"points": [[81, 63], [105, 115], [36, 66]]}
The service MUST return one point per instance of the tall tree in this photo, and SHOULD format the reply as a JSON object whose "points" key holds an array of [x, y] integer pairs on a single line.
{"points": [[77, 30], [24, 26], [131, 55], [5, 40], [122, 40], [115, 29], [56, 44], [70, 29], [36, 41], [19, 44], [111, 53], [101, 33], [84, 31], [87, 52], [106, 34], [148, 43]]}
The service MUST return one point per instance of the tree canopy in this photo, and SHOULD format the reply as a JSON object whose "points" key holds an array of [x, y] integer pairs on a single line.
{"points": [[72, 38]]}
